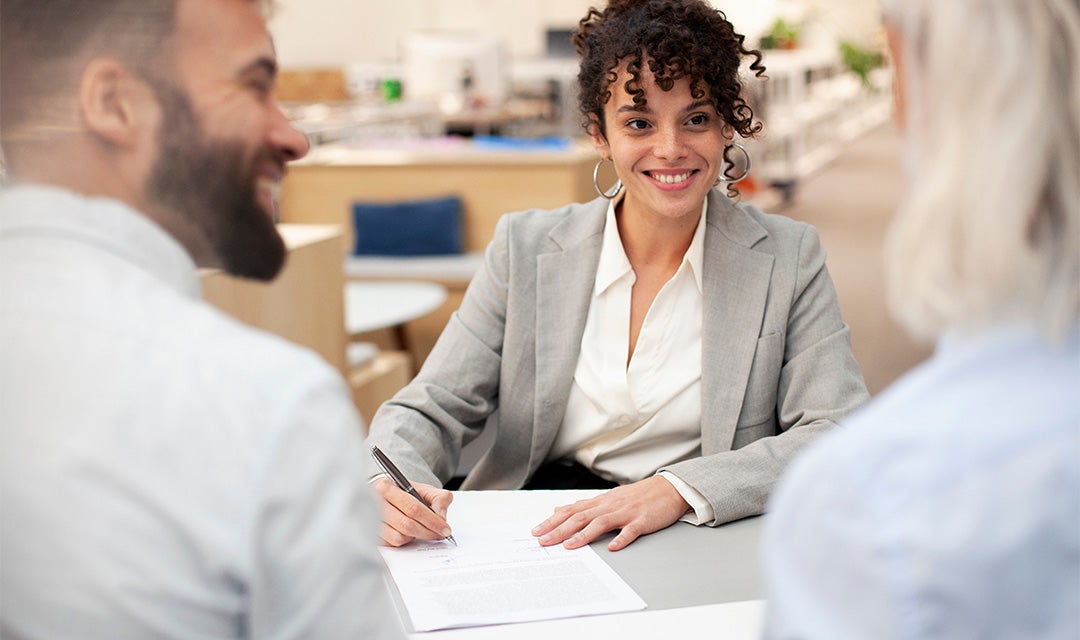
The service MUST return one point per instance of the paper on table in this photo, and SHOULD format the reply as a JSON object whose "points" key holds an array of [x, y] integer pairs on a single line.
{"points": [[499, 574]]}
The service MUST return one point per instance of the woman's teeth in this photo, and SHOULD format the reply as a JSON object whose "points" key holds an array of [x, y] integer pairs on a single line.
{"points": [[672, 179]]}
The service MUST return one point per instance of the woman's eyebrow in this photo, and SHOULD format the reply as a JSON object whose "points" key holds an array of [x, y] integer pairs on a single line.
{"points": [[697, 104]]}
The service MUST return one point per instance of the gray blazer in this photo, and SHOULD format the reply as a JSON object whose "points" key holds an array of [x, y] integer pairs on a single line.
{"points": [[777, 367]]}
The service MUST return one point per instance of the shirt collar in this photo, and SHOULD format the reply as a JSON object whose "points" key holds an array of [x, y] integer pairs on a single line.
{"points": [[614, 264], [695, 253], [107, 224]]}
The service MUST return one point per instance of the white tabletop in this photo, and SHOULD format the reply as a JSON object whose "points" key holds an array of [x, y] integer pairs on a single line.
{"points": [[728, 621], [713, 572], [459, 266], [370, 306]]}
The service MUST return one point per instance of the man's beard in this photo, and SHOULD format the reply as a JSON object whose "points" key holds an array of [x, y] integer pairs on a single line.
{"points": [[212, 183]]}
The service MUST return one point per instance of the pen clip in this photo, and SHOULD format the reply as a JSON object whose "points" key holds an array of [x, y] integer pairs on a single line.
{"points": [[389, 469]]}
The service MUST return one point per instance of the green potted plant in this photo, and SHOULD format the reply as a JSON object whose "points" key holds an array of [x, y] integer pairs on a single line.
{"points": [[782, 35], [861, 61]]}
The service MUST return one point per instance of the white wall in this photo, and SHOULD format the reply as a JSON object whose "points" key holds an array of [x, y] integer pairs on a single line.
{"points": [[313, 33], [337, 32]]}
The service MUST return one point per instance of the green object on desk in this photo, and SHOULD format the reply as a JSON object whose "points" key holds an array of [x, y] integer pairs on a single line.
{"points": [[390, 89]]}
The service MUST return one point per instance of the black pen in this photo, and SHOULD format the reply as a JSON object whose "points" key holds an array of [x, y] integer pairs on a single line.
{"points": [[390, 469]]}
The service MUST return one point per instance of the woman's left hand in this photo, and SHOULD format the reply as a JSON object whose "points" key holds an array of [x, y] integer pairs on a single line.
{"points": [[636, 509]]}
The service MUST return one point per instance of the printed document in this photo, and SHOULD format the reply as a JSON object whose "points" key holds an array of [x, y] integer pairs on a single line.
{"points": [[499, 573]]}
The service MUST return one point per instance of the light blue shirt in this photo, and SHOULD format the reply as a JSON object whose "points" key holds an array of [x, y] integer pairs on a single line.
{"points": [[166, 472], [947, 508]]}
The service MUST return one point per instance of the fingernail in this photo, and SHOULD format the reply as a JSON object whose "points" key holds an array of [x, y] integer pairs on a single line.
{"points": [[445, 532]]}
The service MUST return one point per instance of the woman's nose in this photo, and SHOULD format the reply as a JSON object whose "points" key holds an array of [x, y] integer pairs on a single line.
{"points": [[670, 145]]}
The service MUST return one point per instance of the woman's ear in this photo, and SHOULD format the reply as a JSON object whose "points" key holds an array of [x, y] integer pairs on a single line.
{"points": [[593, 128], [113, 102]]}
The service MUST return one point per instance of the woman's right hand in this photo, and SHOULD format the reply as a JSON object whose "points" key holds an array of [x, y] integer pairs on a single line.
{"points": [[405, 518]]}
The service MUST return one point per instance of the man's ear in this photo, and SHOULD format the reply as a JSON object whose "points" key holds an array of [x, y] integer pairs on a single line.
{"points": [[113, 102]]}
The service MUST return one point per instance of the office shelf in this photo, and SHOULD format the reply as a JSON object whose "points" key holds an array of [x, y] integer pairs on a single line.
{"points": [[812, 107]]}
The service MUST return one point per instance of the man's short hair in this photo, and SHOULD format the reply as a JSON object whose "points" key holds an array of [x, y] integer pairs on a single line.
{"points": [[45, 44]]}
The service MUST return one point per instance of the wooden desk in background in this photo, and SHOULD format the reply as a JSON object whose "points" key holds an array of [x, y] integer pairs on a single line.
{"points": [[322, 187]]}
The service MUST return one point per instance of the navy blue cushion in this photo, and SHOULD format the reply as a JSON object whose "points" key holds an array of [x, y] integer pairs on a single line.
{"points": [[408, 228]]}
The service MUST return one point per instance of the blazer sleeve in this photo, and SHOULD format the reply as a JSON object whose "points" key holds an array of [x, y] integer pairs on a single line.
{"points": [[425, 425], [819, 383]]}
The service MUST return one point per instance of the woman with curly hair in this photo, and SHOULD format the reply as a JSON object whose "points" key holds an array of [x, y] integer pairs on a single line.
{"points": [[661, 340]]}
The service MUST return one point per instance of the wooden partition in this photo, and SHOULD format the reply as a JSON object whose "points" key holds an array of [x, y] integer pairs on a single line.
{"points": [[322, 188]]}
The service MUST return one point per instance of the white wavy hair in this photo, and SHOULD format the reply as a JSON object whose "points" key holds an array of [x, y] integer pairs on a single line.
{"points": [[989, 232]]}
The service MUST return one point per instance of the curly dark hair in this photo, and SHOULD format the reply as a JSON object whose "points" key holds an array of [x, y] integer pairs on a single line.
{"points": [[677, 39]]}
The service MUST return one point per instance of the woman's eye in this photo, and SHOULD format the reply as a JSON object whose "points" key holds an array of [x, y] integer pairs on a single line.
{"points": [[698, 120], [637, 125]]}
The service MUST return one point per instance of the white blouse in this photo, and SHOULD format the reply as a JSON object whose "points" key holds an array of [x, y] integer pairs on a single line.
{"points": [[626, 421]]}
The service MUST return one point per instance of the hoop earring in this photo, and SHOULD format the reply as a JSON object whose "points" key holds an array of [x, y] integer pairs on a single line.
{"points": [[611, 193], [721, 180]]}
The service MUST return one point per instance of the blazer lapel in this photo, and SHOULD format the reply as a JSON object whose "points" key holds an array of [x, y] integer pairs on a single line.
{"points": [[736, 283], [564, 285]]}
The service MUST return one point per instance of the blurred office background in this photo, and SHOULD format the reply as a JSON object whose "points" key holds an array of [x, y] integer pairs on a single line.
{"points": [[430, 118]]}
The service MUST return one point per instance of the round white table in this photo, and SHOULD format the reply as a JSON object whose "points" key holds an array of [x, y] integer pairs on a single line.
{"points": [[371, 306]]}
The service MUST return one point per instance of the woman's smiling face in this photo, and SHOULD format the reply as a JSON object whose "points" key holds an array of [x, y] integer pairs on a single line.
{"points": [[667, 153]]}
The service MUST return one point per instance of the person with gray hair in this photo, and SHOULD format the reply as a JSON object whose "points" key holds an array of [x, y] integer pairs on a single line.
{"points": [[950, 506], [165, 471]]}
